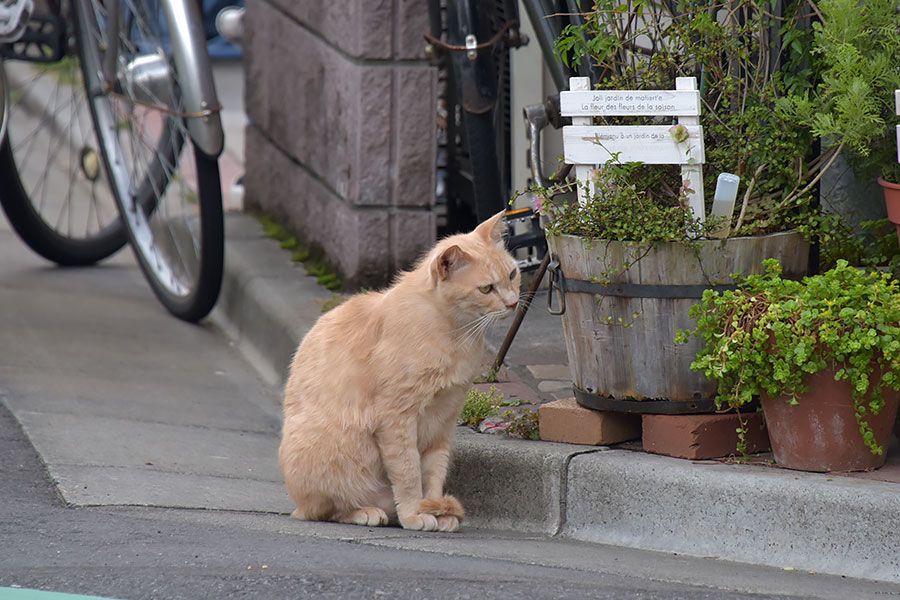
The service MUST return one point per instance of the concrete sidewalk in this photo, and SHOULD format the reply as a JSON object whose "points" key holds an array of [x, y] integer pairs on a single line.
{"points": [[755, 514]]}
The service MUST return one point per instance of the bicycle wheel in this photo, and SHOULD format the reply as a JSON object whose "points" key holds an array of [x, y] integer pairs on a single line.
{"points": [[172, 208], [54, 192]]}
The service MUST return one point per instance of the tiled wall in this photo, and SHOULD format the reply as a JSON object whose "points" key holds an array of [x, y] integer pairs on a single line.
{"points": [[341, 140]]}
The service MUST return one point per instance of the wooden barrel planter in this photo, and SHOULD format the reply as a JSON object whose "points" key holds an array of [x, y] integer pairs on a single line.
{"points": [[620, 334]]}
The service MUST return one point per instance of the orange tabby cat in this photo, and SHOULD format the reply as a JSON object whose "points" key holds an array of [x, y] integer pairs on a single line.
{"points": [[375, 388]]}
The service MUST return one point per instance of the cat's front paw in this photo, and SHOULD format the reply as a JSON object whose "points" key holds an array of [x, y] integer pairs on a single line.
{"points": [[445, 505], [370, 516], [419, 522], [448, 523]]}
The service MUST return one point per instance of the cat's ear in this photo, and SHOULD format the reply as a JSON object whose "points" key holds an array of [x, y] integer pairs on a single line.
{"points": [[492, 230], [448, 262]]}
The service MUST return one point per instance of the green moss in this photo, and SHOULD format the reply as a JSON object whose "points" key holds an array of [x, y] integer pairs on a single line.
{"points": [[312, 259]]}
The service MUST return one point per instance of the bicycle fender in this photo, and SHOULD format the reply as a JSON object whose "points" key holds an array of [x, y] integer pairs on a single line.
{"points": [[477, 78], [195, 76]]}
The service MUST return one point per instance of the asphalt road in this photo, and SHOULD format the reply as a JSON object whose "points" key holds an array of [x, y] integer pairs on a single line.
{"points": [[133, 553]]}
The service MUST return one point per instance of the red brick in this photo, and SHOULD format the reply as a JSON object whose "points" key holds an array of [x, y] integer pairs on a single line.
{"points": [[701, 436], [566, 421]]}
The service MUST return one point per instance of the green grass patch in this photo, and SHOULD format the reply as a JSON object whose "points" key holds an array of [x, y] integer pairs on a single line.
{"points": [[479, 406]]}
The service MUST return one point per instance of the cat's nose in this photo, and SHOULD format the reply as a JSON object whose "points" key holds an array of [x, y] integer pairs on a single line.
{"points": [[511, 304]]}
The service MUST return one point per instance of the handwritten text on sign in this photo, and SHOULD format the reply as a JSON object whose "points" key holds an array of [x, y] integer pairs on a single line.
{"points": [[649, 144], [634, 102]]}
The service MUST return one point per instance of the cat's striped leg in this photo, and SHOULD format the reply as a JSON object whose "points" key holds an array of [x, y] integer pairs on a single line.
{"points": [[397, 444], [447, 509]]}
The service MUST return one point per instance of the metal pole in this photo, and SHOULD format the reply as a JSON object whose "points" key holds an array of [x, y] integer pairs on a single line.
{"points": [[520, 312]]}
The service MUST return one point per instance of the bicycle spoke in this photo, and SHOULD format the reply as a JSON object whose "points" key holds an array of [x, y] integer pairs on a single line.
{"points": [[67, 220]]}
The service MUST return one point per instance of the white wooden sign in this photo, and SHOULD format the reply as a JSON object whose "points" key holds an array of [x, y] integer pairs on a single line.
{"points": [[587, 146], [630, 103], [650, 144]]}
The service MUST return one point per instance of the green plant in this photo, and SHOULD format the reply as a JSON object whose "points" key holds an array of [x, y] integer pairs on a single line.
{"points": [[479, 406], [855, 50], [620, 209], [747, 59], [768, 334], [873, 246], [524, 425], [489, 377]]}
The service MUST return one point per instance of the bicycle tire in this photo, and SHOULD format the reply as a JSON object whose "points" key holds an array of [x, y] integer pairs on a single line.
{"points": [[489, 192], [473, 170], [56, 203], [173, 215]]}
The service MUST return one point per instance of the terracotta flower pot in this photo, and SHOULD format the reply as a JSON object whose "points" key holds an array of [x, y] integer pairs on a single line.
{"points": [[892, 201], [821, 433]]}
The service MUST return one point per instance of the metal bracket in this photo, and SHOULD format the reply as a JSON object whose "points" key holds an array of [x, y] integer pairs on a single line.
{"points": [[471, 46], [509, 34], [557, 284], [537, 117], [562, 285]]}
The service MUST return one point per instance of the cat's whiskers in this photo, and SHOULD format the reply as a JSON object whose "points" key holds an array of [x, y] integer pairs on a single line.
{"points": [[493, 317], [525, 299], [472, 330], [475, 329]]}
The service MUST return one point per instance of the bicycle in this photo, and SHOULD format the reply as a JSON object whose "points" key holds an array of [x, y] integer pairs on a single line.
{"points": [[105, 99]]}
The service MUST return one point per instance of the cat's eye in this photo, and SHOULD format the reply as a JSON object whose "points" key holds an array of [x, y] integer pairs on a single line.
{"points": [[512, 274], [486, 289]]}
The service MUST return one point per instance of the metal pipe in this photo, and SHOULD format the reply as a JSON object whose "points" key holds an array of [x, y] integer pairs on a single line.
{"points": [[521, 312]]}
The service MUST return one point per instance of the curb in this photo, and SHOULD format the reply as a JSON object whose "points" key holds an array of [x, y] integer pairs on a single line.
{"points": [[267, 303], [743, 513]]}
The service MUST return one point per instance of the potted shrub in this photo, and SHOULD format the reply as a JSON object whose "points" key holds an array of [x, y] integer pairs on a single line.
{"points": [[637, 229], [823, 355], [754, 70]]}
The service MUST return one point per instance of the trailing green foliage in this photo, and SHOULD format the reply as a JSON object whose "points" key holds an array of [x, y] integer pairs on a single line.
{"points": [[620, 209], [770, 333]]}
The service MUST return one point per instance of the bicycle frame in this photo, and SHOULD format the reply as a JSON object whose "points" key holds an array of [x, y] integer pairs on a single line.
{"points": [[4, 104], [196, 79]]}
